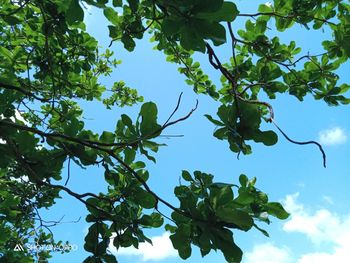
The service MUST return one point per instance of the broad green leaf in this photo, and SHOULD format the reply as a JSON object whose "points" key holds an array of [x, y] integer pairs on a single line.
{"points": [[111, 15], [266, 137], [185, 252], [153, 220], [209, 30], [228, 13], [5, 53], [129, 156], [181, 242], [265, 8], [91, 238], [113, 31], [240, 218], [209, 6], [117, 3], [107, 137], [133, 4], [145, 199], [12, 20], [245, 198], [187, 176], [221, 196], [128, 42], [223, 240], [243, 180], [190, 40], [277, 210], [149, 114], [74, 12], [172, 26], [128, 122]]}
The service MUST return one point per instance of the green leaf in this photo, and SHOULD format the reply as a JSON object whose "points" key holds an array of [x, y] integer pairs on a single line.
{"points": [[243, 180], [117, 3], [5, 53], [149, 124], [276, 210], [209, 30], [113, 32], [190, 40], [128, 42], [133, 4], [221, 195], [74, 12], [12, 20], [223, 240], [187, 176], [240, 218], [265, 8], [263, 231], [172, 26], [153, 220], [245, 198], [127, 121], [216, 122], [209, 6], [266, 137], [111, 15], [185, 252], [180, 240], [91, 238], [228, 13], [130, 155], [107, 137], [144, 198]]}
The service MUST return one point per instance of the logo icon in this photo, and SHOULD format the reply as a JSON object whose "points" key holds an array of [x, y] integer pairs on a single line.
{"points": [[18, 247]]}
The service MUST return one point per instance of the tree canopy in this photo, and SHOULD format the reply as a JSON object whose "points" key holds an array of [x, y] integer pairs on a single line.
{"points": [[49, 64]]}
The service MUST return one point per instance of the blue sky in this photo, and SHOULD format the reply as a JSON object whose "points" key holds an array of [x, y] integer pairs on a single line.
{"points": [[319, 228]]}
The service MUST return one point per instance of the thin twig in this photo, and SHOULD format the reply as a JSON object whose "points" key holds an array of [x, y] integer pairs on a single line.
{"points": [[302, 143], [68, 172], [175, 110]]}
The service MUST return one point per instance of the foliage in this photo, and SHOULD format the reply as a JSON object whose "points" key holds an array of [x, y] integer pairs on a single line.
{"points": [[49, 63]]}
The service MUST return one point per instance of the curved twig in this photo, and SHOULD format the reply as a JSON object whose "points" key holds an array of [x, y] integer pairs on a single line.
{"points": [[302, 143]]}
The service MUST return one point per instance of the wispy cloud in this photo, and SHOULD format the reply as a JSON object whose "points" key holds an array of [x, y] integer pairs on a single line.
{"points": [[162, 248], [268, 253], [321, 227], [333, 136]]}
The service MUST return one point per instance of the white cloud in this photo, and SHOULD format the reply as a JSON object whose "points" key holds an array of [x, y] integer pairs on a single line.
{"points": [[321, 227], [291, 205], [268, 253], [339, 255], [162, 248], [325, 229], [332, 136]]}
